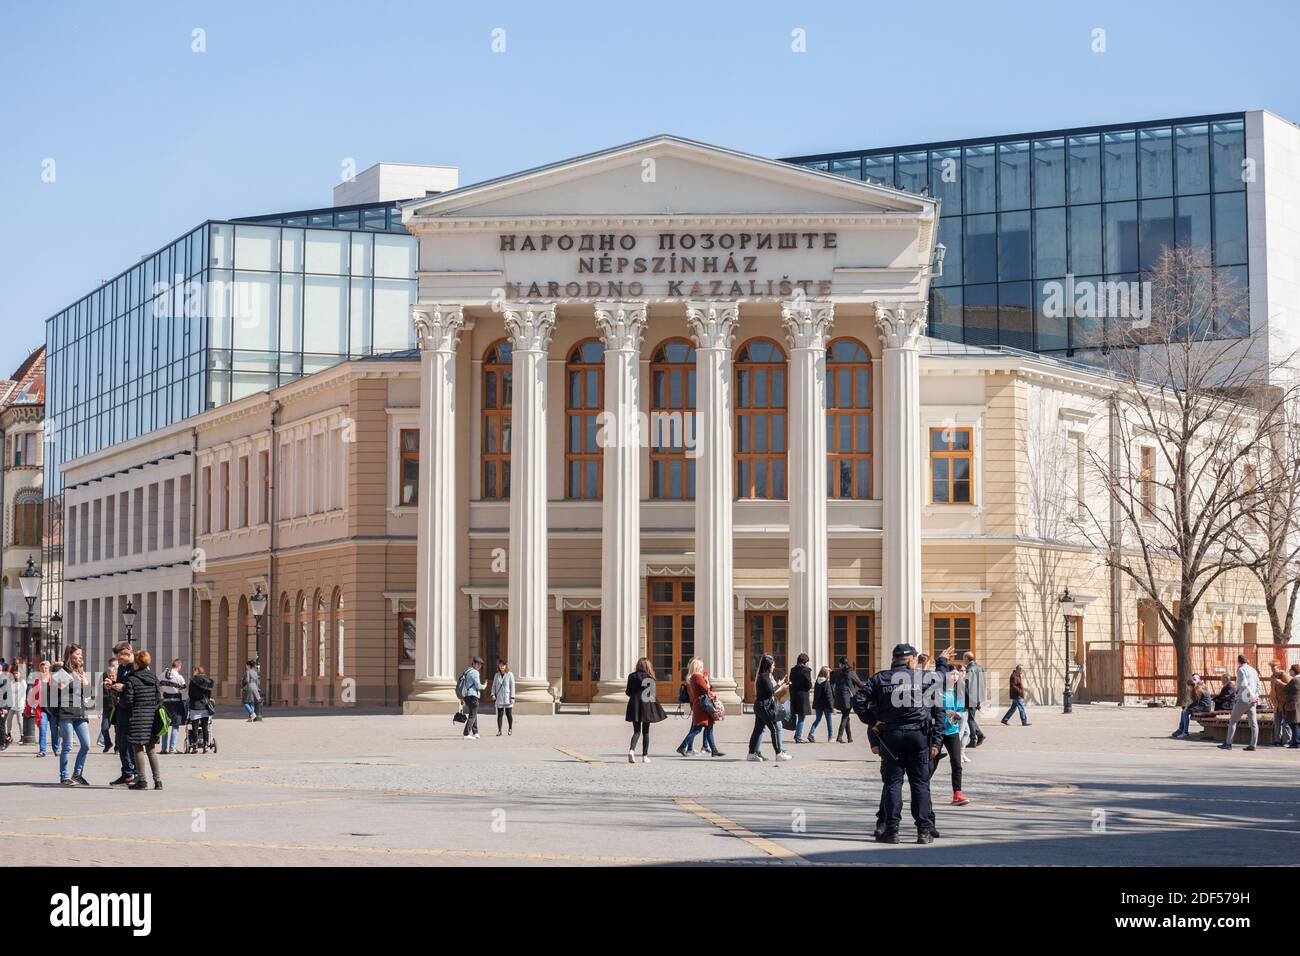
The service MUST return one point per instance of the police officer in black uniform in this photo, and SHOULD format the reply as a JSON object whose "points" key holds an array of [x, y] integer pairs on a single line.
{"points": [[905, 728]]}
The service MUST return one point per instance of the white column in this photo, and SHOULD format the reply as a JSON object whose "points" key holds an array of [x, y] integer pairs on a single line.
{"points": [[713, 326], [807, 326], [438, 329], [901, 327], [529, 326], [621, 326]]}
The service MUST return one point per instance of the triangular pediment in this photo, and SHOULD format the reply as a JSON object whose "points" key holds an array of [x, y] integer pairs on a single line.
{"points": [[668, 176]]}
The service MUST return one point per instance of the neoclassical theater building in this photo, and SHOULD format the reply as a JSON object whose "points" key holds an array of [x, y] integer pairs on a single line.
{"points": [[667, 400]]}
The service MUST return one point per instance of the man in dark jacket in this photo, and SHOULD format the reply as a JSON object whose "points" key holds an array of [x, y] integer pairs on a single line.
{"points": [[1226, 695], [1202, 703], [976, 694], [905, 729], [117, 684]]}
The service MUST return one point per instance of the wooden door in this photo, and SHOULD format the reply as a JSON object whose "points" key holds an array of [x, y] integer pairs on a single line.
{"points": [[581, 656], [672, 632], [765, 633]]}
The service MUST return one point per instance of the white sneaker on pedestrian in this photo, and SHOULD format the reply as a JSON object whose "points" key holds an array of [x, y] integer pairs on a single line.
{"points": [[631, 756], [645, 758], [784, 755], [476, 736], [757, 758]]}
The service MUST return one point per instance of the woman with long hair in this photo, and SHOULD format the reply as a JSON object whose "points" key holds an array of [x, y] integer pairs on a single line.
{"points": [[200, 708], [823, 705], [703, 715], [68, 691], [643, 708], [845, 682], [766, 692]]}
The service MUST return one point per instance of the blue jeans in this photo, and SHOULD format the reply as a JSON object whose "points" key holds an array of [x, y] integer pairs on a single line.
{"points": [[1016, 705], [105, 729], [688, 742], [1185, 721], [830, 724], [251, 708], [44, 733], [798, 726], [66, 730]]}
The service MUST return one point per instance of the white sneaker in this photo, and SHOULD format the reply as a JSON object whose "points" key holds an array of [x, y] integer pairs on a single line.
{"points": [[645, 758], [476, 736], [757, 758], [631, 756], [784, 755]]}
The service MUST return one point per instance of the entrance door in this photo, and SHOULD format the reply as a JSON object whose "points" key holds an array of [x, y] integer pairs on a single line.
{"points": [[765, 633], [581, 655], [492, 640], [853, 636], [672, 632]]}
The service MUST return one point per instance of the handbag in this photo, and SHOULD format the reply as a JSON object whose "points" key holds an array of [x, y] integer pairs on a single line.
{"points": [[708, 704], [460, 716], [162, 723]]}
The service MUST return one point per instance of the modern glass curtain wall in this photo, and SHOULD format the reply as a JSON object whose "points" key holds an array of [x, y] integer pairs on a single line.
{"points": [[1019, 212]]}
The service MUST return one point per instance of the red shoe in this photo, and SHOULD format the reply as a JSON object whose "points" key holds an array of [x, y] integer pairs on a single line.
{"points": [[958, 800]]}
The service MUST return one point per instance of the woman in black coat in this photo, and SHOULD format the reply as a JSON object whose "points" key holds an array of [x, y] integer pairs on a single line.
{"points": [[142, 699], [845, 682], [766, 692], [801, 681], [643, 708]]}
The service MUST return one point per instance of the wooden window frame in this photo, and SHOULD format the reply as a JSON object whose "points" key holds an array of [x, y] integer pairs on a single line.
{"points": [[851, 640], [495, 420], [264, 476], [207, 499], [225, 496], [589, 487], [936, 645], [405, 455], [746, 462], [244, 516], [662, 457], [951, 454], [856, 457], [1146, 481]]}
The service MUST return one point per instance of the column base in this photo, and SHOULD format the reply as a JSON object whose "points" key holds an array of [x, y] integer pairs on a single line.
{"points": [[533, 696], [432, 695], [727, 692], [610, 697]]}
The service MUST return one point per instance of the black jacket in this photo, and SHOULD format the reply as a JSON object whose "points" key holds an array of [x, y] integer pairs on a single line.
{"points": [[822, 695], [1223, 699], [801, 680], [905, 698], [844, 684], [200, 691], [1202, 704], [142, 700], [642, 705]]}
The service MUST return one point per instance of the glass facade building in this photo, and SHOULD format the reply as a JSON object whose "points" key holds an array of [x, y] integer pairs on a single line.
{"points": [[1099, 204]]}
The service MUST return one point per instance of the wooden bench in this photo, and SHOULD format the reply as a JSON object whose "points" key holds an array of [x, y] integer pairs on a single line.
{"points": [[1214, 726]]}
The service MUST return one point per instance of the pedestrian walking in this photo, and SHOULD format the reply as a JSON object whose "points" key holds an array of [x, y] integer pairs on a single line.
{"points": [[13, 695], [72, 694], [905, 725], [200, 708], [767, 710], [977, 693], [1018, 695], [42, 712], [1201, 703], [1290, 711], [108, 705], [1277, 685], [256, 664], [143, 701], [469, 689], [801, 683], [845, 682], [503, 695], [1244, 704], [172, 682], [823, 705], [121, 712], [952, 721], [643, 708], [252, 690], [706, 711]]}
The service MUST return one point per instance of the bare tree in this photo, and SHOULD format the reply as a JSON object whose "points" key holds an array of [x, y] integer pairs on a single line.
{"points": [[1190, 418]]}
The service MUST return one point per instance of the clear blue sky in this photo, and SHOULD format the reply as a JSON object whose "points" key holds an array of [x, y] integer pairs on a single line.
{"points": [[150, 138]]}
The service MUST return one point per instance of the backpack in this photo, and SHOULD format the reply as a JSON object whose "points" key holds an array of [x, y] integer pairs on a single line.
{"points": [[462, 686]]}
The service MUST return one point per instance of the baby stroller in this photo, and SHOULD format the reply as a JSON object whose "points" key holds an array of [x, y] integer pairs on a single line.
{"points": [[199, 739]]}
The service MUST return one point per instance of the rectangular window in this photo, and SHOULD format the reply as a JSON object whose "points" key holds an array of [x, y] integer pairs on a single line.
{"points": [[1146, 480], [408, 491], [264, 482], [243, 492], [207, 500], [952, 630], [27, 524], [952, 461], [224, 503]]}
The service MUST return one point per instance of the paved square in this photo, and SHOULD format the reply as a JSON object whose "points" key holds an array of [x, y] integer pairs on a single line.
{"points": [[1103, 786]]}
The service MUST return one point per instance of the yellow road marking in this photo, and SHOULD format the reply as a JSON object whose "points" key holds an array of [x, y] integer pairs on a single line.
{"points": [[736, 830], [369, 850], [155, 811], [579, 756]]}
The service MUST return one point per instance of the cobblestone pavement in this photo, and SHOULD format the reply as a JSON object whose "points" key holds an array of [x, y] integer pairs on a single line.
{"points": [[1105, 785]]}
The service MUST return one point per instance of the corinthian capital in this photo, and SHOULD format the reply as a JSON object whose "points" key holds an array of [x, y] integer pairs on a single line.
{"points": [[807, 323], [438, 327], [713, 323], [902, 324], [621, 325], [530, 325]]}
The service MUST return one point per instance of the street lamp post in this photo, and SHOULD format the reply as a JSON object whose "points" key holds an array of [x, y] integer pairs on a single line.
{"points": [[1067, 611], [128, 619], [56, 635], [258, 602], [30, 579]]}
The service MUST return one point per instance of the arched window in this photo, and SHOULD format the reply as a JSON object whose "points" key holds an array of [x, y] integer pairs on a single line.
{"points": [[304, 632], [286, 635], [760, 420], [672, 420], [584, 374], [339, 628], [27, 519], [496, 420], [848, 419], [241, 635], [322, 634], [223, 640]]}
